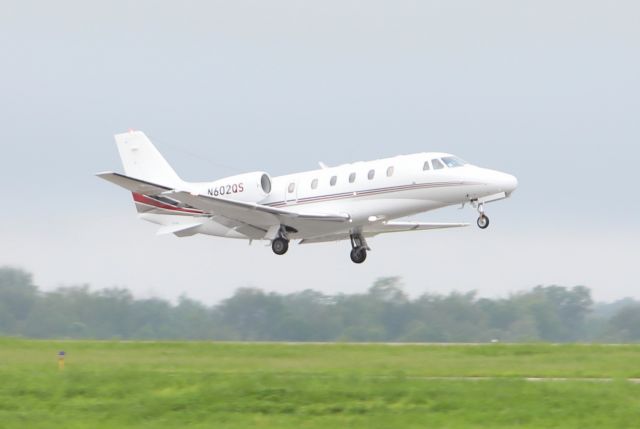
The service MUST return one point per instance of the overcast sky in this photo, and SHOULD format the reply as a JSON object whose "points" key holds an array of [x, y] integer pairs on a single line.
{"points": [[546, 90]]}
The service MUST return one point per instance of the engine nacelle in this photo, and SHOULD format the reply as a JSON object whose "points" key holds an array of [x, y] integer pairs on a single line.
{"points": [[250, 187]]}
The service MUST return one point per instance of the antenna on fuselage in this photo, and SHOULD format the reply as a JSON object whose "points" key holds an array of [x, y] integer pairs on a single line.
{"points": [[322, 165]]}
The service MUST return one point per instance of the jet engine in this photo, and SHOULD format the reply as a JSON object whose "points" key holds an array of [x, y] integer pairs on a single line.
{"points": [[249, 187]]}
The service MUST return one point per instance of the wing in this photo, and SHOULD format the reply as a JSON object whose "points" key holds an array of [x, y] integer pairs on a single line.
{"points": [[258, 215], [253, 215], [385, 227], [410, 226]]}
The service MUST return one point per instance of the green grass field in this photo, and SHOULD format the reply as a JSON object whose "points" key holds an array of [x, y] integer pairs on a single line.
{"points": [[221, 385]]}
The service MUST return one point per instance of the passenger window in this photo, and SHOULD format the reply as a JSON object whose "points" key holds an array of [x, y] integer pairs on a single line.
{"points": [[390, 171], [333, 181], [437, 165], [352, 177], [372, 174], [426, 167], [314, 183], [292, 187]]}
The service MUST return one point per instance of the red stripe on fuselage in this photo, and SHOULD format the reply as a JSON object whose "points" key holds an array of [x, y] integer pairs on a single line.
{"points": [[140, 198]]}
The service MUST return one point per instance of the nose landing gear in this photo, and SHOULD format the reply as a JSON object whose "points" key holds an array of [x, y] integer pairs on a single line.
{"points": [[483, 219]]}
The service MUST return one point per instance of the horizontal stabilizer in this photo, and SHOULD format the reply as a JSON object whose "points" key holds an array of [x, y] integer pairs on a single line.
{"points": [[134, 185]]}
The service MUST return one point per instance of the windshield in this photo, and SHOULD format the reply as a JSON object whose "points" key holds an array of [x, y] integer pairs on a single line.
{"points": [[453, 161]]}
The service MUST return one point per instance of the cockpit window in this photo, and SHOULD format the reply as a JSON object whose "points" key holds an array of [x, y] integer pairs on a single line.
{"points": [[425, 166], [453, 161], [437, 165]]}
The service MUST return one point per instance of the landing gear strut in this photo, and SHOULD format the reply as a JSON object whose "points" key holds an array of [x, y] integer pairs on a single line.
{"points": [[359, 248], [483, 220]]}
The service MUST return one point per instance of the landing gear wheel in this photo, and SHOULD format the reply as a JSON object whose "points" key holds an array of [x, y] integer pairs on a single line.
{"points": [[279, 246], [358, 254], [483, 222]]}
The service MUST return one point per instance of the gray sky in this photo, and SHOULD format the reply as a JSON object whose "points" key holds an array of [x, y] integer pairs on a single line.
{"points": [[546, 90]]}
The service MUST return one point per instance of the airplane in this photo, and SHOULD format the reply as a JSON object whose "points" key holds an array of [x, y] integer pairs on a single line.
{"points": [[349, 202]]}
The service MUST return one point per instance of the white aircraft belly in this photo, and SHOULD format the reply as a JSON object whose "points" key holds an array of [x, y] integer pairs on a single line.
{"points": [[390, 206]]}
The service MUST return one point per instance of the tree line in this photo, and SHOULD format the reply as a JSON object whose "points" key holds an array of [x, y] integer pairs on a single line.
{"points": [[383, 313]]}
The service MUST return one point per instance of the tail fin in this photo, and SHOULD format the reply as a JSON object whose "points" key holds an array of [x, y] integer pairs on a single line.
{"points": [[141, 160]]}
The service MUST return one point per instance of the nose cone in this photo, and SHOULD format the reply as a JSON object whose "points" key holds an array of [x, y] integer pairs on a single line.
{"points": [[507, 183]]}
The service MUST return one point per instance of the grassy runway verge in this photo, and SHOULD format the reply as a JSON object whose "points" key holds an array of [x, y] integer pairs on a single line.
{"points": [[220, 385]]}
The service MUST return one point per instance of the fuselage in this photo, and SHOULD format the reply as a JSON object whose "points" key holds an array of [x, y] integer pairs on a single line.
{"points": [[368, 192]]}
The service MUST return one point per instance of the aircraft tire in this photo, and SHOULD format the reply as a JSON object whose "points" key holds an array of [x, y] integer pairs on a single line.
{"points": [[358, 254], [280, 246], [483, 222]]}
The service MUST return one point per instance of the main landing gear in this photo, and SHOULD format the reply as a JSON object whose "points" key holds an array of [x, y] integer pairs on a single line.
{"points": [[358, 248], [483, 220], [280, 245]]}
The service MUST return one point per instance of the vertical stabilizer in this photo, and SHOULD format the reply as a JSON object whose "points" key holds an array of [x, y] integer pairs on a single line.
{"points": [[141, 160]]}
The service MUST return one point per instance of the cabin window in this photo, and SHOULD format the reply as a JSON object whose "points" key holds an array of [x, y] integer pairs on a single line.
{"points": [[426, 167], [352, 177], [372, 174], [292, 187], [437, 165], [334, 180], [314, 183], [390, 171]]}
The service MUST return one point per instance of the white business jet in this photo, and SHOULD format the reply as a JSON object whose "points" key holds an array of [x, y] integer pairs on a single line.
{"points": [[349, 202]]}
